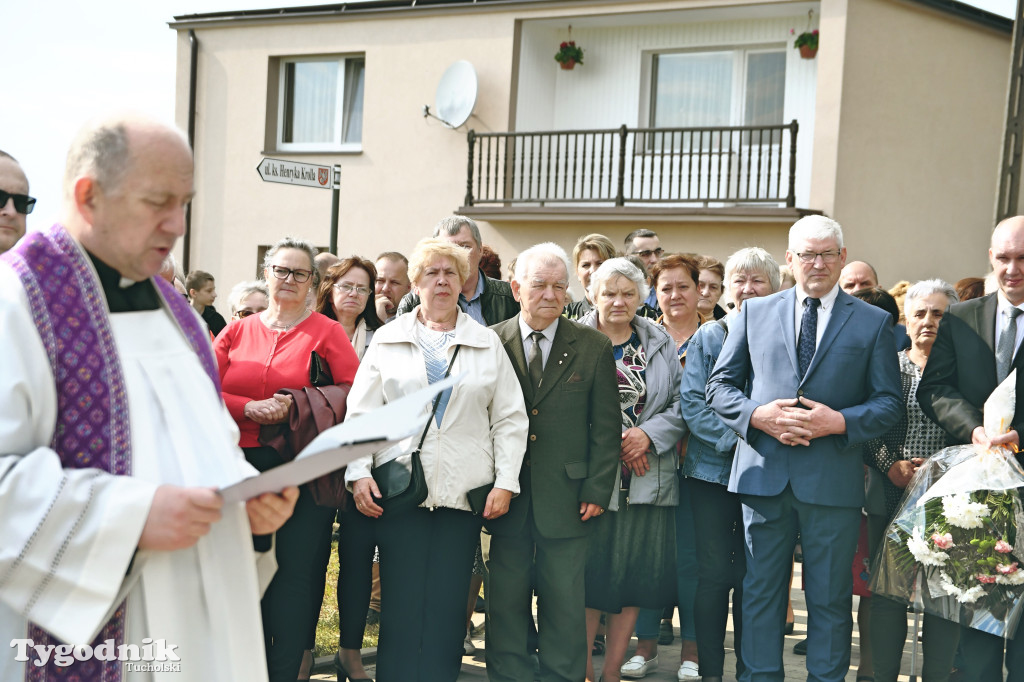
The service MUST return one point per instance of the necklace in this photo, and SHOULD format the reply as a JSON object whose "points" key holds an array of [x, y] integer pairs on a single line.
{"points": [[283, 327]]}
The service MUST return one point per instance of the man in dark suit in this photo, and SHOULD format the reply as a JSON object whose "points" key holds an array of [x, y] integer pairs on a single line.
{"points": [[567, 374], [488, 301], [805, 377], [974, 350]]}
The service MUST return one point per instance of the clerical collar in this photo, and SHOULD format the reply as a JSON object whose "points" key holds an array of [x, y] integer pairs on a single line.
{"points": [[123, 295]]}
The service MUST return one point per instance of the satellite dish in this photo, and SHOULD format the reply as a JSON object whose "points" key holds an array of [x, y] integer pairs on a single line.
{"points": [[456, 95]]}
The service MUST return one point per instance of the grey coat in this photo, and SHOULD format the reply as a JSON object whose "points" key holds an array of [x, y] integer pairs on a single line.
{"points": [[661, 418]]}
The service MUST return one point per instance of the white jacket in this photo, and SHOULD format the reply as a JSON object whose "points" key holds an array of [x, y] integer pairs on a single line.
{"points": [[482, 437]]}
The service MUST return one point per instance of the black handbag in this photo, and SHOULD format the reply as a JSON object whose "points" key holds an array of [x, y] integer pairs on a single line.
{"points": [[402, 487], [319, 371]]}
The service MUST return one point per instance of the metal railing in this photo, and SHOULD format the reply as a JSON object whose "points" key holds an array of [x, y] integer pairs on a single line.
{"points": [[619, 166]]}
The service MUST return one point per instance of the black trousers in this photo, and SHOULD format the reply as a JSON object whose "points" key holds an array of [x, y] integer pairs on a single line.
{"points": [[426, 560], [291, 604], [983, 656], [357, 538], [721, 565]]}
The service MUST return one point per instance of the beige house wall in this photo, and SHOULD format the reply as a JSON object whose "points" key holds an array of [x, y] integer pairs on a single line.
{"points": [[915, 142], [896, 133]]}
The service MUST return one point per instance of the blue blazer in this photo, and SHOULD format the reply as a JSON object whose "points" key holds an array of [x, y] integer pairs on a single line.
{"points": [[854, 370]]}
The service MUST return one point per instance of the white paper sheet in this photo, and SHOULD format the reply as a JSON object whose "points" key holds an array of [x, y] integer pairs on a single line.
{"points": [[339, 445]]}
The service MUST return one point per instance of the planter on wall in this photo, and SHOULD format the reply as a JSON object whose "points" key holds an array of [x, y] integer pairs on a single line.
{"points": [[568, 64], [808, 52]]}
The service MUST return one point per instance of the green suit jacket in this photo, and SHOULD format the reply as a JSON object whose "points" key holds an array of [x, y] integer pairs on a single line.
{"points": [[575, 430]]}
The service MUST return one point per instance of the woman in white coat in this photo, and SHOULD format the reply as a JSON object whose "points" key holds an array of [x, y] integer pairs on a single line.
{"points": [[477, 436]]}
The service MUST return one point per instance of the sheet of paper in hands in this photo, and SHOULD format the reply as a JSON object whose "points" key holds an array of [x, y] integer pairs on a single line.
{"points": [[1000, 406], [350, 440]]}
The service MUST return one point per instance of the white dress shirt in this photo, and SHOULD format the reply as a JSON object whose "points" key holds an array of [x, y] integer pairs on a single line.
{"points": [[545, 344], [828, 301]]}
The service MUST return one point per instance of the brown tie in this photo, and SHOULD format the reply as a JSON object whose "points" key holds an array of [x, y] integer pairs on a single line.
{"points": [[536, 360]]}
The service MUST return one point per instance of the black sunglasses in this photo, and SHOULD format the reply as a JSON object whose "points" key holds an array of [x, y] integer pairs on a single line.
{"points": [[23, 203]]}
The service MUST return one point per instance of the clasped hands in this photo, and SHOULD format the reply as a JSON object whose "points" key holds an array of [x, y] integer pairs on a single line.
{"points": [[273, 410], [633, 451], [797, 421]]}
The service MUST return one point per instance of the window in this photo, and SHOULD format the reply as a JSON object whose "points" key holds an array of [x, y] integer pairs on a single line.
{"points": [[721, 88], [320, 104]]}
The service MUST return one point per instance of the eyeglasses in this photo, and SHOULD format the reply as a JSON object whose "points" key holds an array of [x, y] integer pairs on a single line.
{"points": [[300, 276], [246, 312], [351, 289], [647, 253], [23, 203], [827, 257]]}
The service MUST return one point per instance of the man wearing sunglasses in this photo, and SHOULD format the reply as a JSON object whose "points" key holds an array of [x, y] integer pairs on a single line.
{"points": [[15, 203], [646, 245]]}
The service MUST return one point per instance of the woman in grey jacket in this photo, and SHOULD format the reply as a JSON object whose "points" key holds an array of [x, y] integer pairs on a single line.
{"points": [[631, 559], [718, 522]]}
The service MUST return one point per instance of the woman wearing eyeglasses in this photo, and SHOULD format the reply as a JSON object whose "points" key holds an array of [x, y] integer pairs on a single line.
{"points": [[259, 355], [346, 295], [248, 298]]}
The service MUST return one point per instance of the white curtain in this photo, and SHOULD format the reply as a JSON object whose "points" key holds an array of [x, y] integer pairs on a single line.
{"points": [[692, 89], [312, 92], [352, 128]]}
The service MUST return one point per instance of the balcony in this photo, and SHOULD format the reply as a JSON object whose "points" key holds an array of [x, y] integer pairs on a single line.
{"points": [[704, 170]]}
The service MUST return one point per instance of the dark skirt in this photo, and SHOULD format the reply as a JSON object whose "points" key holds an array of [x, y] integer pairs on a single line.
{"points": [[631, 558]]}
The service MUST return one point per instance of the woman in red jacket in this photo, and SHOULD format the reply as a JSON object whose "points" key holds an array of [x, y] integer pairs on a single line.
{"points": [[258, 355]]}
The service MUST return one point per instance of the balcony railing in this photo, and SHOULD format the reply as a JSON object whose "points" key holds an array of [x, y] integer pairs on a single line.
{"points": [[620, 166]]}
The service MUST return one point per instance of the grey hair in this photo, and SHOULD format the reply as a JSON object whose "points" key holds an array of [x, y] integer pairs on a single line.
{"points": [[294, 243], [618, 266], [815, 227], [243, 290], [545, 251], [101, 152], [452, 225], [927, 287], [754, 259]]}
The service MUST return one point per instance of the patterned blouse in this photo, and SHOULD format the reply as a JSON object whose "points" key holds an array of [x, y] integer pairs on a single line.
{"points": [[914, 435], [630, 369]]}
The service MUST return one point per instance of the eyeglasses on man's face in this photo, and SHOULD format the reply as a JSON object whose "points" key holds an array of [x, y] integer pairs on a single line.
{"points": [[647, 253], [299, 276], [827, 257], [23, 203], [350, 289]]}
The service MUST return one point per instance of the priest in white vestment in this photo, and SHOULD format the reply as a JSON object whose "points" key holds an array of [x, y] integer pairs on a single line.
{"points": [[74, 542]]}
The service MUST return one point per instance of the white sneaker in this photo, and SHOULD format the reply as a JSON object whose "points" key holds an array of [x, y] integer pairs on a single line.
{"points": [[467, 645], [688, 672], [638, 667]]}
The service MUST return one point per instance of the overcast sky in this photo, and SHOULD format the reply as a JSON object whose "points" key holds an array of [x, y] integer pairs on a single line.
{"points": [[67, 61]]}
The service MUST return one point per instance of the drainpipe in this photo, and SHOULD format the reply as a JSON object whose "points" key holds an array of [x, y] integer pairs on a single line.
{"points": [[192, 71]]}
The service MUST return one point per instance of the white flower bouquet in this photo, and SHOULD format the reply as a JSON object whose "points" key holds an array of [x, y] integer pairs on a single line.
{"points": [[953, 546]]}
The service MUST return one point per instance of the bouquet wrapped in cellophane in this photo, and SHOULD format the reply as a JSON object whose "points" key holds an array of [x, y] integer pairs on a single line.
{"points": [[953, 548]]}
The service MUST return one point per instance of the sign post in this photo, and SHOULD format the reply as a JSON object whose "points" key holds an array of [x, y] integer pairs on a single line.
{"points": [[335, 205], [307, 175]]}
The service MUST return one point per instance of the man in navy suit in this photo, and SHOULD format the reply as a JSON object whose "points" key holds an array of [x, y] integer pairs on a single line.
{"points": [[805, 377]]}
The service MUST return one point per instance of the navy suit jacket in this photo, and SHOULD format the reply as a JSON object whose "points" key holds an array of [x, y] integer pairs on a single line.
{"points": [[854, 371]]}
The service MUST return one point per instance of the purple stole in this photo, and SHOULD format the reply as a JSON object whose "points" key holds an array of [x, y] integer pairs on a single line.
{"points": [[92, 431]]}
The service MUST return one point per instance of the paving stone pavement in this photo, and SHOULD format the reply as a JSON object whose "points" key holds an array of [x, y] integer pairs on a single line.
{"points": [[474, 666]]}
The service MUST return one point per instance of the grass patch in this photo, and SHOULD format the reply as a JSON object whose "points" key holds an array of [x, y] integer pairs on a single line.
{"points": [[328, 627]]}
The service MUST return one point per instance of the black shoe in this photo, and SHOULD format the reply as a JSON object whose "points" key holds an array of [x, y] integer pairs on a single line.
{"points": [[665, 632], [800, 648], [342, 674], [598, 649]]}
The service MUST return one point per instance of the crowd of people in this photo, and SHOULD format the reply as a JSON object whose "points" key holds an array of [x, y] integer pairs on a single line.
{"points": [[665, 441]]}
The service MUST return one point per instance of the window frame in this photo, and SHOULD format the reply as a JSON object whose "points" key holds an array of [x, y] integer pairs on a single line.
{"points": [[738, 94], [337, 144]]}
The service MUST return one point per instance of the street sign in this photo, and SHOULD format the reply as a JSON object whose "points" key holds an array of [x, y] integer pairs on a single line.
{"points": [[295, 173]]}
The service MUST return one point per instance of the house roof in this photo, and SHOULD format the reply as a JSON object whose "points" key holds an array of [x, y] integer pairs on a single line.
{"points": [[954, 7]]}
